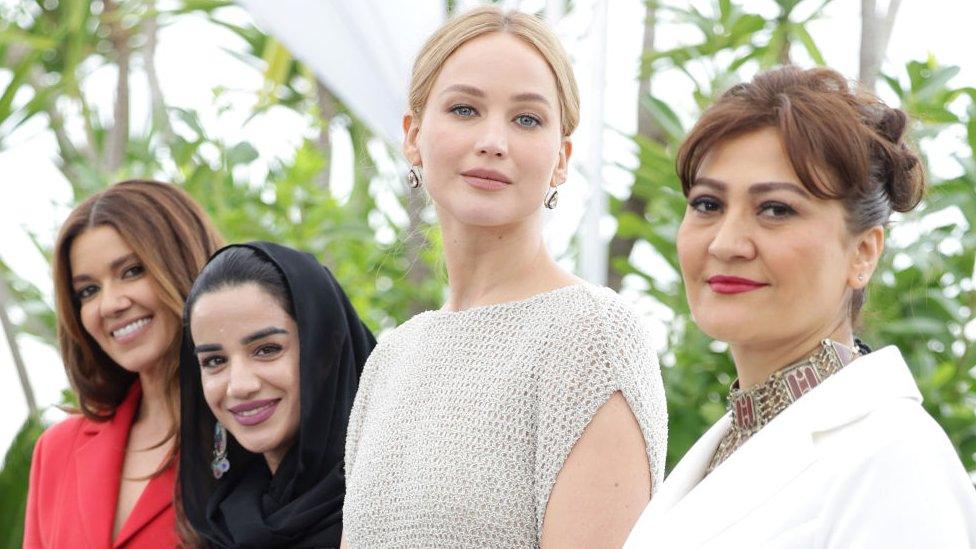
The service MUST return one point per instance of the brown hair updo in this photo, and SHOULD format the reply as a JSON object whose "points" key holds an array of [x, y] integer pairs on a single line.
{"points": [[843, 142]]}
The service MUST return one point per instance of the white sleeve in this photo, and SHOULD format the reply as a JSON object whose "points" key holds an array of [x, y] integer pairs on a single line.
{"points": [[910, 492]]}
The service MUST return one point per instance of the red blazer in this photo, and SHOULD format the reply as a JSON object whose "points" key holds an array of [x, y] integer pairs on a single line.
{"points": [[74, 488]]}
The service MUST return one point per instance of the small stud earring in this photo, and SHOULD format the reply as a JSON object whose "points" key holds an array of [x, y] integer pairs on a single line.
{"points": [[415, 177], [860, 278], [552, 198]]}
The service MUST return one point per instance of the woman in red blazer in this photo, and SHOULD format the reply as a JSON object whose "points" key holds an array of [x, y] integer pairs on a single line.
{"points": [[124, 262]]}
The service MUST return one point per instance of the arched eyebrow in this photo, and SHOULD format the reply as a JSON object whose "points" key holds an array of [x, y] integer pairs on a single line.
{"points": [[531, 97], [260, 334], [207, 348], [770, 186], [113, 266], [755, 188], [714, 184], [464, 88], [478, 92], [265, 332]]}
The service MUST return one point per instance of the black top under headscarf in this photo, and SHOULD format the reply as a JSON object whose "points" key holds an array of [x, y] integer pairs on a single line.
{"points": [[301, 505]]}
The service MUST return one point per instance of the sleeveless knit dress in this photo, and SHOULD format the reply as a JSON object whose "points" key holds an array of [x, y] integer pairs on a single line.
{"points": [[463, 419]]}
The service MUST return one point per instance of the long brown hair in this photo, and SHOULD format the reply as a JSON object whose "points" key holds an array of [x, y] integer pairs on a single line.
{"points": [[173, 238], [843, 142]]}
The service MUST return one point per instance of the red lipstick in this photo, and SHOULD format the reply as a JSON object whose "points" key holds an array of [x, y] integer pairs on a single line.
{"points": [[729, 285]]}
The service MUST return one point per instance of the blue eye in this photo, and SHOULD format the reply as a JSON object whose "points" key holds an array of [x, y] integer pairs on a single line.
{"points": [[705, 205], [527, 121], [776, 210], [464, 111]]}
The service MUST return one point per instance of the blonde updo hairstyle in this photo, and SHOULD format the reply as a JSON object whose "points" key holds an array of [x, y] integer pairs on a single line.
{"points": [[484, 20]]}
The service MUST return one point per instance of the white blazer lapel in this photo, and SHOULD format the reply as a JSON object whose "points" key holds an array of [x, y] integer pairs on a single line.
{"points": [[689, 469], [690, 513], [682, 480]]}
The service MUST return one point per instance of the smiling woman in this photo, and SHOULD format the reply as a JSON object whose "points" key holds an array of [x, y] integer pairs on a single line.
{"points": [[123, 265], [249, 367], [271, 363]]}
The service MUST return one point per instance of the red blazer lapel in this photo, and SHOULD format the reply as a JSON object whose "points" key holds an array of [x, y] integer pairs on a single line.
{"points": [[98, 468], [156, 497]]}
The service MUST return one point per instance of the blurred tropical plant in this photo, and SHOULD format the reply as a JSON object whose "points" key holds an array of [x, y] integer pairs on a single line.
{"points": [[51, 48], [922, 299], [13, 482], [377, 238]]}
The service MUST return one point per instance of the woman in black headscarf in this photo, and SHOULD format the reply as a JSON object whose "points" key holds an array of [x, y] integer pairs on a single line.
{"points": [[271, 360]]}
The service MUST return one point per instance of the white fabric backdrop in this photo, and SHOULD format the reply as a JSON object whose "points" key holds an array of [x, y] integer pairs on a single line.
{"points": [[362, 51]]}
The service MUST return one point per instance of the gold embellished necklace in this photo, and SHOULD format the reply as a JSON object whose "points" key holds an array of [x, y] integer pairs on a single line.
{"points": [[756, 406]]}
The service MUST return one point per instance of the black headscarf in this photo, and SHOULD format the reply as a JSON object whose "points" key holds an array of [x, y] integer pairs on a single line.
{"points": [[301, 504]]}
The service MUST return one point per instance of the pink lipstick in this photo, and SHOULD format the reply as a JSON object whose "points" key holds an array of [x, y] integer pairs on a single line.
{"points": [[729, 285], [488, 180], [254, 412]]}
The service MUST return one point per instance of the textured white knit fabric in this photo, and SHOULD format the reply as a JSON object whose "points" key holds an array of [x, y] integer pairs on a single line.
{"points": [[464, 419]]}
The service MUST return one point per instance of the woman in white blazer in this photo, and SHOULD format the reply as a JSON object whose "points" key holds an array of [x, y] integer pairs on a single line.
{"points": [[790, 180]]}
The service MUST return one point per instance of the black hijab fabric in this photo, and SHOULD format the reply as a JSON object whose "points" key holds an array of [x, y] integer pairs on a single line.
{"points": [[301, 505]]}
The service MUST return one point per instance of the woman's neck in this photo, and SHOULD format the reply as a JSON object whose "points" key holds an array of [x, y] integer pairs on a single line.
{"points": [[754, 363], [154, 408], [274, 458], [488, 265]]}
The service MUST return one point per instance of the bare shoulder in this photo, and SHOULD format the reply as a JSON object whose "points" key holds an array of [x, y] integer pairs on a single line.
{"points": [[604, 484]]}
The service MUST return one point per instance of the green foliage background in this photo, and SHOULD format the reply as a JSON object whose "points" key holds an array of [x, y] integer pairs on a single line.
{"points": [[921, 299]]}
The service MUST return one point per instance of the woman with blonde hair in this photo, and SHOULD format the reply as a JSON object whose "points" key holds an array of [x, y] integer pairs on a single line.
{"points": [[790, 181], [529, 410], [124, 262]]}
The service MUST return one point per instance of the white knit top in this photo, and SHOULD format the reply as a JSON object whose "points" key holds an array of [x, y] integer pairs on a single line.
{"points": [[463, 419]]}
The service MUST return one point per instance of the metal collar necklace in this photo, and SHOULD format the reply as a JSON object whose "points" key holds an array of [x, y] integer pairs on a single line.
{"points": [[756, 406]]}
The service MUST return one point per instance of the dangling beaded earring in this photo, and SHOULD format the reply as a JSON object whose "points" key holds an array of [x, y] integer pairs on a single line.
{"points": [[552, 198], [415, 177], [219, 465]]}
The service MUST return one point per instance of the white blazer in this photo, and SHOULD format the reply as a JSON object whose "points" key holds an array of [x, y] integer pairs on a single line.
{"points": [[856, 462]]}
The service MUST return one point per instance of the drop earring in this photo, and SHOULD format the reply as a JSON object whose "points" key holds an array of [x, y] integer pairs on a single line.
{"points": [[552, 198], [219, 465], [415, 177]]}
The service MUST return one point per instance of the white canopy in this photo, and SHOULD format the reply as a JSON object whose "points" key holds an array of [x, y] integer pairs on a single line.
{"points": [[362, 51]]}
